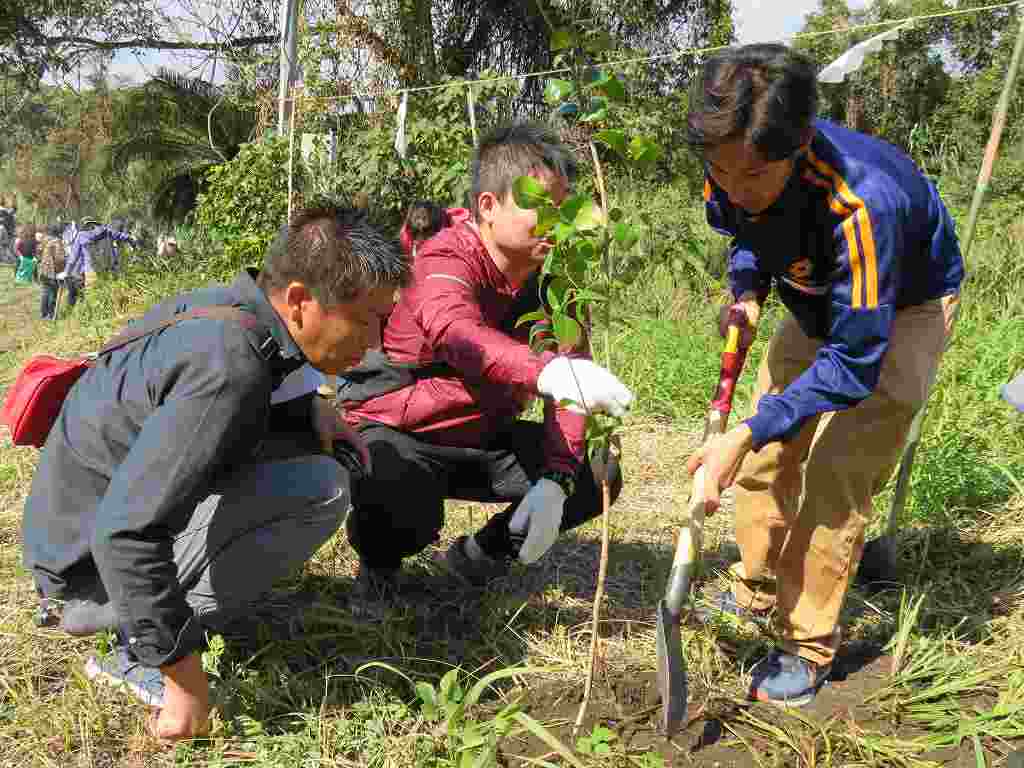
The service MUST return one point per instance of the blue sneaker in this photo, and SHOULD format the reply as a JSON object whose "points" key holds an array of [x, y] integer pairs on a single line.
{"points": [[119, 668], [787, 680], [717, 603]]}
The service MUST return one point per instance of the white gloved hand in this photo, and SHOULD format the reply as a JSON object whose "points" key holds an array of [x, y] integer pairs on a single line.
{"points": [[540, 515], [62, 276], [584, 382]]}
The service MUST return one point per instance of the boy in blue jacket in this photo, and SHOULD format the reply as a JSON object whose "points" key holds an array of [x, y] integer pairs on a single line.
{"points": [[863, 254]]}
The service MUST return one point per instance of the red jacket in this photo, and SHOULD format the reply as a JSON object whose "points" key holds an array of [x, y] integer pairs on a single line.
{"points": [[456, 310]]}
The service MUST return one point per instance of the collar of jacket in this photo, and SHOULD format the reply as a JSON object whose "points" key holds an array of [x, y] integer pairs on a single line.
{"points": [[256, 301]]}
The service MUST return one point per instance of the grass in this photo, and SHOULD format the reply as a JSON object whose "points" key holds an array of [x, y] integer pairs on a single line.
{"points": [[932, 672]]}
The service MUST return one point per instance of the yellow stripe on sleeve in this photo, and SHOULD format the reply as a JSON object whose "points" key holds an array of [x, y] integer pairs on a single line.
{"points": [[707, 190], [863, 265]]}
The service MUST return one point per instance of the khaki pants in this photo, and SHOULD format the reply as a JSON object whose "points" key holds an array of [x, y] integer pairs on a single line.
{"points": [[804, 526]]}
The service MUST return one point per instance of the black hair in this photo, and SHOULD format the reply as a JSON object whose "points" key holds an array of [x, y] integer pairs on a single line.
{"points": [[765, 94], [336, 253], [513, 150]]}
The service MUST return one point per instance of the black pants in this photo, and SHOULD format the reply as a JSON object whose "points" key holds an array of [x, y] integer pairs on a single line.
{"points": [[75, 286], [48, 299], [399, 509]]}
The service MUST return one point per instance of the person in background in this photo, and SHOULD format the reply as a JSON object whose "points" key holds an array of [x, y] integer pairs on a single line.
{"points": [[51, 264], [25, 247], [81, 271], [7, 235], [425, 219], [167, 247]]}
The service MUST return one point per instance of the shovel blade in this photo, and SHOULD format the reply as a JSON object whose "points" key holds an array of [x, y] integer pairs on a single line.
{"points": [[672, 682]]}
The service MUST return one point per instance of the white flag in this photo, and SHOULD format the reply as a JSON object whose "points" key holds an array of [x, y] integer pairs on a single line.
{"points": [[400, 141], [851, 61]]}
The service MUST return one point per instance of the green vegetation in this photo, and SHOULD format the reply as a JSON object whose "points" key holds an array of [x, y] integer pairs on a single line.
{"points": [[441, 676]]}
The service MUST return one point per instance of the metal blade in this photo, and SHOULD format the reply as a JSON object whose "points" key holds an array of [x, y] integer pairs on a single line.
{"points": [[672, 682]]}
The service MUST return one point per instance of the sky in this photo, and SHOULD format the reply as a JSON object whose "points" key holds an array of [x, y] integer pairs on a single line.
{"points": [[756, 21]]}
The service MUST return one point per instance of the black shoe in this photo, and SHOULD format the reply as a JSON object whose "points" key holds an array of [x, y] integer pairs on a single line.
{"points": [[475, 573]]}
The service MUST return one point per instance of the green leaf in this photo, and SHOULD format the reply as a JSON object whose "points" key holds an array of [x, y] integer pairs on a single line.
{"points": [[570, 207], [598, 110], [449, 687], [615, 214], [556, 295], [547, 218], [615, 139], [562, 38], [599, 41], [614, 89], [529, 193], [567, 330], [531, 317], [589, 217], [484, 682], [625, 234], [426, 693], [556, 91], [563, 231], [643, 151]]}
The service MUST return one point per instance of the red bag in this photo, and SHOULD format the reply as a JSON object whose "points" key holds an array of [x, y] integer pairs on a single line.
{"points": [[35, 398]]}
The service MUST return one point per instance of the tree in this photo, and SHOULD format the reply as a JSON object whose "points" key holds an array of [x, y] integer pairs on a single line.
{"points": [[39, 37], [897, 88], [182, 127]]}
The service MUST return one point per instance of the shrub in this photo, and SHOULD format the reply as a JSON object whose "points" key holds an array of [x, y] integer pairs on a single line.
{"points": [[244, 205]]}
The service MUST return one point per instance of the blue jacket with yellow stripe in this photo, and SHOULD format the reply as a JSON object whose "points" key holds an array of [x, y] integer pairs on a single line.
{"points": [[858, 233]]}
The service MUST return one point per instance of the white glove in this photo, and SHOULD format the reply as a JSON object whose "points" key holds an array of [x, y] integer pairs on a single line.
{"points": [[62, 276], [584, 382], [540, 515]]}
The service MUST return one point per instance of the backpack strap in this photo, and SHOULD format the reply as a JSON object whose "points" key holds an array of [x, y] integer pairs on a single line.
{"points": [[268, 347]]}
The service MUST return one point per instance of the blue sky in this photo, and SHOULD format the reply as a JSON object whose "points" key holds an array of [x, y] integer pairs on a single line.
{"points": [[756, 21]]}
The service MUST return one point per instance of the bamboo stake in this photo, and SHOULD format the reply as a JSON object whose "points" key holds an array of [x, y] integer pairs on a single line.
{"points": [[291, 153], [606, 503], [992, 149], [471, 108]]}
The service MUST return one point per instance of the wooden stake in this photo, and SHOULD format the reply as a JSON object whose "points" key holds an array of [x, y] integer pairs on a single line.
{"points": [[471, 107], [602, 573], [291, 152], [606, 503], [998, 123]]}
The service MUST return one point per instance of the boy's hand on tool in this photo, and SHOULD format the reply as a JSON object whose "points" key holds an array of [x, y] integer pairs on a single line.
{"points": [[721, 458], [748, 301]]}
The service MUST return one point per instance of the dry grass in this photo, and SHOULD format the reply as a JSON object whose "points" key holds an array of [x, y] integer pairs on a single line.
{"points": [[290, 698]]}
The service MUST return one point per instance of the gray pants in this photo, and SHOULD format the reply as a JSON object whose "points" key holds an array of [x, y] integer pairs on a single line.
{"points": [[262, 523], [265, 523]]}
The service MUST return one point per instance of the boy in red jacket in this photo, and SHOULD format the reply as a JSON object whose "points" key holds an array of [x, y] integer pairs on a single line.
{"points": [[439, 404]]}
